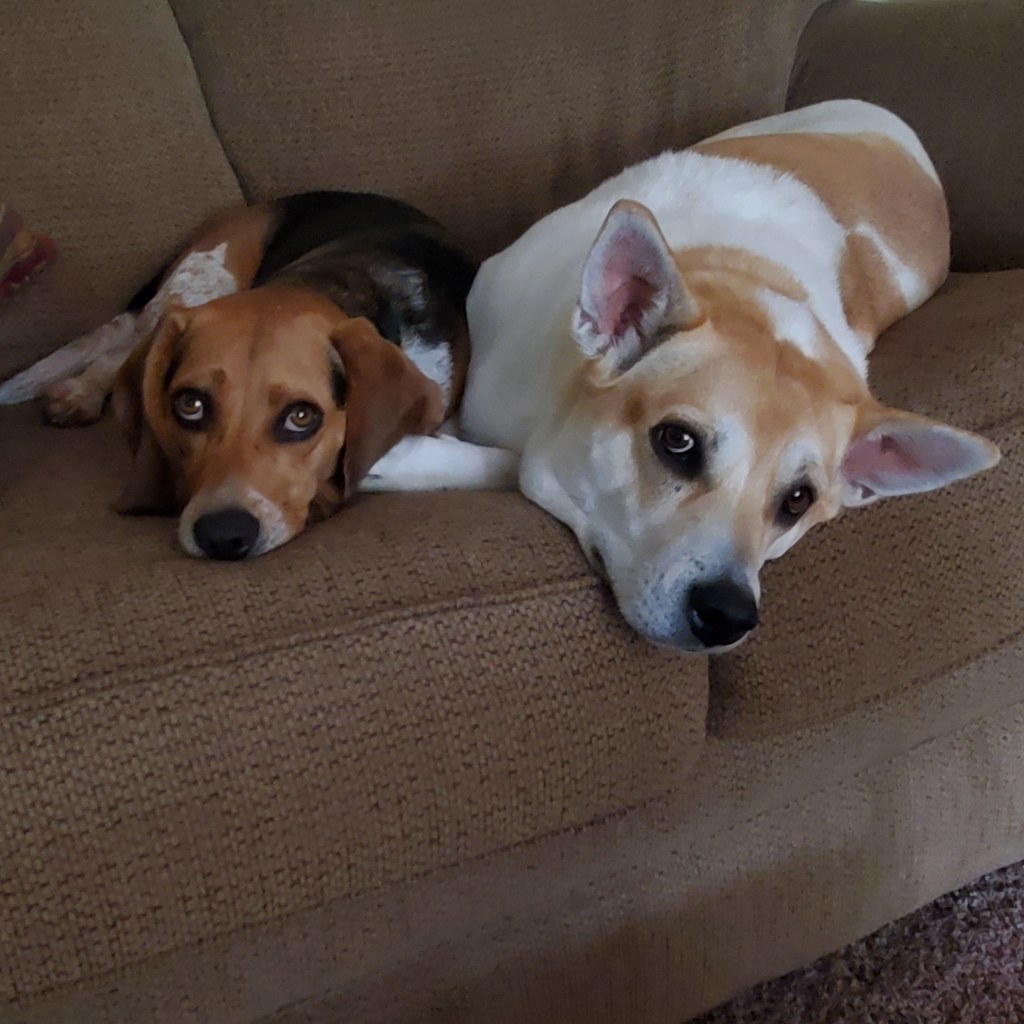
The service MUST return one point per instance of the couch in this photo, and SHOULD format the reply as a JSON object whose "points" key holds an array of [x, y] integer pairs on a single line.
{"points": [[412, 767]]}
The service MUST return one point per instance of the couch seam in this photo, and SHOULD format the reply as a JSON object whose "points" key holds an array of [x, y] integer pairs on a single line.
{"points": [[799, 63], [953, 666], [206, 104], [774, 809], [250, 927], [1012, 420], [64, 692], [967, 723], [874, 701]]}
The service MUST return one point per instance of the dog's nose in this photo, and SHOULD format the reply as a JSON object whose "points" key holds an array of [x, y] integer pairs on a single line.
{"points": [[226, 535], [720, 612]]}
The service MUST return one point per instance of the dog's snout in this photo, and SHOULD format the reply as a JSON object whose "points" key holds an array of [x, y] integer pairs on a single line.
{"points": [[226, 535], [720, 612]]}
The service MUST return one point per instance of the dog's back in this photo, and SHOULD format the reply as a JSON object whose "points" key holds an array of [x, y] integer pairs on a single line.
{"points": [[842, 196], [370, 255]]}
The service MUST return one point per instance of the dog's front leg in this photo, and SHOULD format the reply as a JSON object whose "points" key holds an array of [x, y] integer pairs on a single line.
{"points": [[78, 401], [113, 340], [442, 463]]}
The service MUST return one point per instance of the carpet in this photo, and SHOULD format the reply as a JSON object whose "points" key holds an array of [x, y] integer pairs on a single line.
{"points": [[959, 960]]}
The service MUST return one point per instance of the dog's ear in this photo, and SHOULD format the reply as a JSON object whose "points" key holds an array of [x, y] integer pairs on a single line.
{"points": [[385, 397], [631, 293], [893, 453], [150, 486]]}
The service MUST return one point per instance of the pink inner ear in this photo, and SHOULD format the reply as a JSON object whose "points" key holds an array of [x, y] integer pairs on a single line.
{"points": [[899, 463], [878, 458], [622, 303]]}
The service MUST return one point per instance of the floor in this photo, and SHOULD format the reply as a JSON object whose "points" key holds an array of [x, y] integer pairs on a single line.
{"points": [[959, 960]]}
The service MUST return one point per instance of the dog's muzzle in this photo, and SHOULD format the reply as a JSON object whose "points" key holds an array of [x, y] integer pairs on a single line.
{"points": [[227, 535], [720, 612]]}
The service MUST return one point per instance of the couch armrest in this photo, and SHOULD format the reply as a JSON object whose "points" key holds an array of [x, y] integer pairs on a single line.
{"points": [[953, 70]]}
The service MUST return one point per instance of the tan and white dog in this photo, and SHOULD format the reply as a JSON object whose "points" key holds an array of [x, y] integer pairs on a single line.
{"points": [[681, 357]]}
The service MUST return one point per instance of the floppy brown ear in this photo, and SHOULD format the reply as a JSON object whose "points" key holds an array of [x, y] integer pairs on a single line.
{"points": [[150, 486], [386, 399]]}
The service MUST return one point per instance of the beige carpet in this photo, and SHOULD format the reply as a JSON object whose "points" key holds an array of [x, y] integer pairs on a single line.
{"points": [[959, 960]]}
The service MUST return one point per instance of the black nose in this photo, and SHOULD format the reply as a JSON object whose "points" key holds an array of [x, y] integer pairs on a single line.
{"points": [[720, 612], [227, 535]]}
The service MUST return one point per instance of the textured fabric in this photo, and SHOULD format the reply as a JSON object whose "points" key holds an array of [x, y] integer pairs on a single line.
{"points": [[486, 116], [891, 595], [683, 926], [190, 747], [645, 918], [958, 959], [106, 143], [352, 781], [953, 70]]}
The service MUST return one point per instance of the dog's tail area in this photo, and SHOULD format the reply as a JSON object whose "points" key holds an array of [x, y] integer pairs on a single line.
{"points": [[68, 361]]}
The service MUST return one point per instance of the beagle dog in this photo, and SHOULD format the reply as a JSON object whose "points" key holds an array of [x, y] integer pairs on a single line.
{"points": [[681, 357], [267, 372]]}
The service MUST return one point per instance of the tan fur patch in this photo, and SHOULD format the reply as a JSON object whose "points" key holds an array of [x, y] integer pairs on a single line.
{"points": [[896, 198], [711, 260], [244, 229]]}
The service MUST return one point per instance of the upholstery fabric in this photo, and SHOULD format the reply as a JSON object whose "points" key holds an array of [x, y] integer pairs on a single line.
{"points": [[413, 767], [192, 747], [106, 144], [641, 919], [952, 69], [901, 592], [486, 116]]}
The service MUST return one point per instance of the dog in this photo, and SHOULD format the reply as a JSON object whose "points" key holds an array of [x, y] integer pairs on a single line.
{"points": [[680, 357], [292, 353]]}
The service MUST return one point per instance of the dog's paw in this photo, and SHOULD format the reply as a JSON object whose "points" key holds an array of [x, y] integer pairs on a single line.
{"points": [[72, 403]]}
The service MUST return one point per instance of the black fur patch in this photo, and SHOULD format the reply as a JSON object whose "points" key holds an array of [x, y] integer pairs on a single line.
{"points": [[311, 219], [339, 385], [338, 476], [371, 256], [148, 291]]}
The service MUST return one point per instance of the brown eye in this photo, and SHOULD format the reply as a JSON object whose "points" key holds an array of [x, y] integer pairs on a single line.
{"points": [[191, 407], [795, 504], [297, 422], [679, 447], [678, 440]]}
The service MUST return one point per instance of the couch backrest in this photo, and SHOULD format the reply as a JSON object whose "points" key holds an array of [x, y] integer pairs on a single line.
{"points": [[105, 145], [953, 70], [487, 115]]}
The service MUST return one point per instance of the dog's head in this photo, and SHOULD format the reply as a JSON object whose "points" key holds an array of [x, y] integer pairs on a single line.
{"points": [[259, 412], [697, 444]]}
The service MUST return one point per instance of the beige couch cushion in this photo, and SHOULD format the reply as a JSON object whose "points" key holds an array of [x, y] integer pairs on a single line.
{"points": [[106, 145], [188, 748], [894, 595], [953, 69], [487, 116]]}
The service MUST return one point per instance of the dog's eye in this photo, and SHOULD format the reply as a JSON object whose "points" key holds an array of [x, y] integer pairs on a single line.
{"points": [[191, 407], [679, 447], [795, 504], [298, 421]]}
